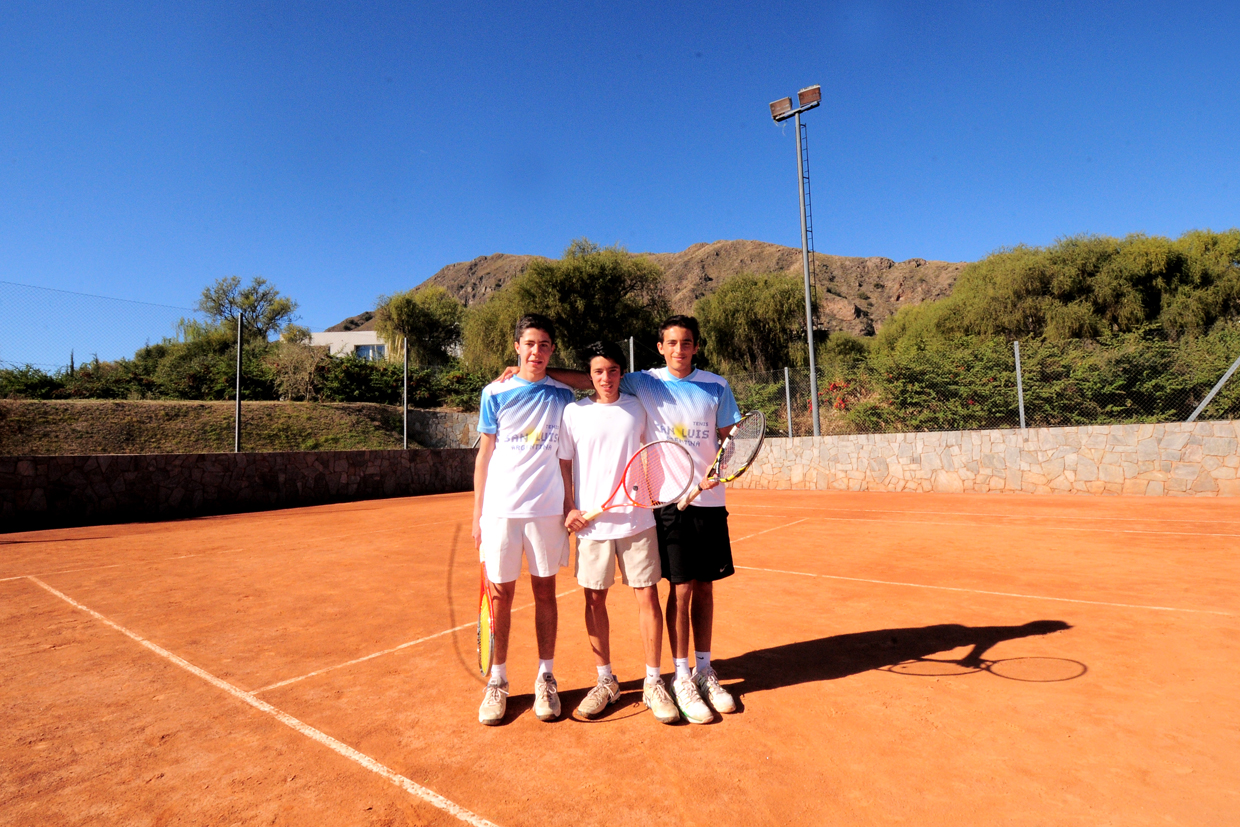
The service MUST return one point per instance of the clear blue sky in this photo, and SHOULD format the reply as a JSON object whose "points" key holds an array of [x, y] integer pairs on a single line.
{"points": [[343, 150]]}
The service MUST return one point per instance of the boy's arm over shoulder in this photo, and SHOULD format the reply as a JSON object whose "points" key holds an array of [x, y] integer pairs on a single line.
{"points": [[573, 379]]}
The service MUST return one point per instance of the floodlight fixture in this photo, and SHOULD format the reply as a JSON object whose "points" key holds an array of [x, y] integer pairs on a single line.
{"points": [[781, 109], [809, 97]]}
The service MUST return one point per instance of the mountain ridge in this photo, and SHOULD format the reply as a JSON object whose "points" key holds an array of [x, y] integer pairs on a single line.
{"points": [[856, 294]]}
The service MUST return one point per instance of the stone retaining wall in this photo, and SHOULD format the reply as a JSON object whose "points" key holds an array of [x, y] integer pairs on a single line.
{"points": [[51, 491], [1177, 459], [443, 429]]}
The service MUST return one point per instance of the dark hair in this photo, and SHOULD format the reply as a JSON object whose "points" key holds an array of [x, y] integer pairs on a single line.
{"points": [[687, 322], [608, 350], [537, 322]]}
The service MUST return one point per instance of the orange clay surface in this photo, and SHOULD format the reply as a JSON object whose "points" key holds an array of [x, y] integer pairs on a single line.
{"points": [[899, 658]]}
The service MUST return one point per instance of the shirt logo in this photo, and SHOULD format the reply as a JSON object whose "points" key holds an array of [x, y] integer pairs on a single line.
{"points": [[539, 438]]}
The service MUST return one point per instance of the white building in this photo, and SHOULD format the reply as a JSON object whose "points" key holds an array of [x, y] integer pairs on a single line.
{"points": [[364, 344]]}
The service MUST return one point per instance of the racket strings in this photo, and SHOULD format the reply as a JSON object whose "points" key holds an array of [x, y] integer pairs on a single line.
{"points": [[743, 444], [658, 475]]}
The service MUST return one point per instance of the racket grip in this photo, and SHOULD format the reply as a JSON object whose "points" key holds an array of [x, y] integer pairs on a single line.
{"points": [[590, 515], [688, 498]]}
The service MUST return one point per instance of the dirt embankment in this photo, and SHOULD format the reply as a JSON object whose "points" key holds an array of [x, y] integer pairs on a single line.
{"points": [[141, 427]]}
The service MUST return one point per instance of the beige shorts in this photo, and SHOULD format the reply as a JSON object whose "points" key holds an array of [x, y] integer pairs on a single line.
{"points": [[638, 556], [543, 540]]}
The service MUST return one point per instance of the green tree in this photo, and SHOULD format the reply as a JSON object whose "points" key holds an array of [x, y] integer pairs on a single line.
{"points": [[754, 322], [429, 317], [263, 310], [592, 293], [1086, 287]]}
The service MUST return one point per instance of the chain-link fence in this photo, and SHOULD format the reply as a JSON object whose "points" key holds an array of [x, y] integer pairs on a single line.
{"points": [[1058, 384], [111, 375], [57, 330]]}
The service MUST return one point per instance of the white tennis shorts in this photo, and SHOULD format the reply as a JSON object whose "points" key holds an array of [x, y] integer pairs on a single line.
{"points": [[543, 541]]}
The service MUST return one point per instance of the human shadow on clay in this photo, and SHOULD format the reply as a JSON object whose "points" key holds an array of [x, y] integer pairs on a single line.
{"points": [[839, 656]]}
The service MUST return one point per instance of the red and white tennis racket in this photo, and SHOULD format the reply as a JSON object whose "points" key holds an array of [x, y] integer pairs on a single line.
{"points": [[657, 474]]}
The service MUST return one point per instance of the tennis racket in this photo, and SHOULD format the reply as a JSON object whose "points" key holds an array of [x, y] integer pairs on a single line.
{"points": [[486, 626], [657, 474], [736, 454]]}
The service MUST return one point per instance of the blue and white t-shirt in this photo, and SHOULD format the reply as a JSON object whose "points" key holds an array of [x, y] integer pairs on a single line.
{"points": [[690, 411], [523, 477]]}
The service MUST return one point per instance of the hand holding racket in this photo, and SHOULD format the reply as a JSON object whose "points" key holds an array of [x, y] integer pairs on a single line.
{"points": [[738, 451], [658, 474]]}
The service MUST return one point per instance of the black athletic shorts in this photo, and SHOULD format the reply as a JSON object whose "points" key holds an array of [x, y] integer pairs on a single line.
{"points": [[694, 543]]}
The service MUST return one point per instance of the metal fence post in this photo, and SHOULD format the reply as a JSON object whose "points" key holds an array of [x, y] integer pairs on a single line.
{"points": [[405, 395], [237, 417], [632, 360], [788, 400], [1020, 389], [1218, 386]]}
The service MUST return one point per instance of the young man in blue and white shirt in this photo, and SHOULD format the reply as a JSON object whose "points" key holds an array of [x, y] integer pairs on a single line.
{"points": [[697, 409], [519, 507]]}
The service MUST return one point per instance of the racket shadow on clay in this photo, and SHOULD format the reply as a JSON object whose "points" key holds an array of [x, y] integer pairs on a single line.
{"points": [[838, 656]]}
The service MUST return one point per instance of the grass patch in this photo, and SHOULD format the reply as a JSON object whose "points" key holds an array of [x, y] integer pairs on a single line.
{"points": [[144, 427]]}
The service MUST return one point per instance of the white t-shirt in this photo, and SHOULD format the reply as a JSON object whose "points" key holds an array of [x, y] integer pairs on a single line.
{"points": [[523, 477], [689, 411], [600, 439]]}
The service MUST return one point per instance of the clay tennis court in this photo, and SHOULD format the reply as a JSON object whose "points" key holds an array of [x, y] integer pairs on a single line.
{"points": [[900, 658]]}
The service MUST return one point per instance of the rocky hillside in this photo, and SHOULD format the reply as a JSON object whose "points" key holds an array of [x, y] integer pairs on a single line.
{"points": [[857, 294]]}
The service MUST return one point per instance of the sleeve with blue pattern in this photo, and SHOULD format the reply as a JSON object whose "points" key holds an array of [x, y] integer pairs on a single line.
{"points": [[488, 414], [727, 413]]}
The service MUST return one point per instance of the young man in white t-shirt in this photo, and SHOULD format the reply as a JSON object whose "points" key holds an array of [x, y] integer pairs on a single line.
{"points": [[519, 507], [697, 409], [598, 436]]}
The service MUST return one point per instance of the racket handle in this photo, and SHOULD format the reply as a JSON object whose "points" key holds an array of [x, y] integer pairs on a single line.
{"points": [[590, 515], [688, 498]]}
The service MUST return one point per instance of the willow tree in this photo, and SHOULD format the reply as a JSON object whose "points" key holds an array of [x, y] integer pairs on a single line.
{"points": [[428, 317]]}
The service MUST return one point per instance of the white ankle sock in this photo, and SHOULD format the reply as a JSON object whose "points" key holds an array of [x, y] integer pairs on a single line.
{"points": [[703, 660], [499, 672], [652, 673], [544, 667], [604, 671], [682, 667]]}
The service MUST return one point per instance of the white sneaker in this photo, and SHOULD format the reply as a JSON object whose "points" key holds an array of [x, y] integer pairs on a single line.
{"points": [[546, 698], [690, 702], [597, 699], [655, 696], [708, 684], [494, 703]]}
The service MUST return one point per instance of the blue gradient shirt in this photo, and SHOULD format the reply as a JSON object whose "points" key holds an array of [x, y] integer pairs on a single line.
{"points": [[689, 411], [523, 477]]}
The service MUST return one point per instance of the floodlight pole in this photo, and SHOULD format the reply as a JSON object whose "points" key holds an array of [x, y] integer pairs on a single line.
{"points": [[237, 417], [405, 395], [809, 311]]}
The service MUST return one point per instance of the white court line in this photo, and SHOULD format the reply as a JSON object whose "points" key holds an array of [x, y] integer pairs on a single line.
{"points": [[1040, 528], [387, 651], [361, 759], [1091, 517], [765, 530], [982, 591]]}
